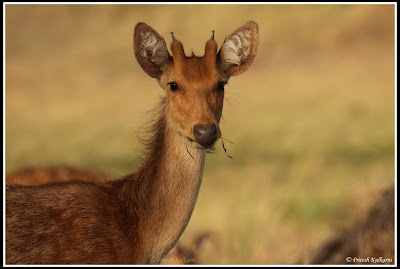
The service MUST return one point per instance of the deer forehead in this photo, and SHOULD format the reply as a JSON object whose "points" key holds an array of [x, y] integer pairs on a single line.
{"points": [[194, 71]]}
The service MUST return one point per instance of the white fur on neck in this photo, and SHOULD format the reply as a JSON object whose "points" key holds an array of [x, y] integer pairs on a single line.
{"points": [[183, 176]]}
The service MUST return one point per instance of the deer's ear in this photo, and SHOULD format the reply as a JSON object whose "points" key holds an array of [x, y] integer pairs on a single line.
{"points": [[239, 49], [150, 50]]}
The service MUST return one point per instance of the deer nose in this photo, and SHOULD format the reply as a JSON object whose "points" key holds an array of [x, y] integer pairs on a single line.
{"points": [[205, 135]]}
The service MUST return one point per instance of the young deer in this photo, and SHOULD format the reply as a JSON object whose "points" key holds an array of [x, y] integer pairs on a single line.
{"points": [[36, 175], [139, 217]]}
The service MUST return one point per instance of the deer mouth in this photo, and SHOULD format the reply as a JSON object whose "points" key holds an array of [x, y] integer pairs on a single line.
{"points": [[200, 146], [210, 146]]}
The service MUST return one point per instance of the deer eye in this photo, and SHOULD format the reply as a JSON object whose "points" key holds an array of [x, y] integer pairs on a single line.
{"points": [[221, 86], [173, 86]]}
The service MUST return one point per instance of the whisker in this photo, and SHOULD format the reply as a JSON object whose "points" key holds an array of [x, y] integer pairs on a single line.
{"points": [[233, 95], [226, 140]]}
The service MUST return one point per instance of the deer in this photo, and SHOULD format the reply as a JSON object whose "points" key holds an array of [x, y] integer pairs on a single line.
{"points": [[139, 217], [180, 254]]}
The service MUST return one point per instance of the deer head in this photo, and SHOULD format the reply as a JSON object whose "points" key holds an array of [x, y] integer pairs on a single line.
{"points": [[194, 86]]}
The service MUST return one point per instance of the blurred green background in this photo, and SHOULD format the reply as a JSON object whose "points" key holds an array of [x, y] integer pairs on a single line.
{"points": [[312, 120]]}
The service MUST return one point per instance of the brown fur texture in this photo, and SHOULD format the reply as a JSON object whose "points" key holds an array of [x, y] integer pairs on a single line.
{"points": [[137, 218], [33, 176]]}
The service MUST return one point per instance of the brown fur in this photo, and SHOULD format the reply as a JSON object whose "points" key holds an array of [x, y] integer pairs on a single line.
{"points": [[137, 218], [33, 176]]}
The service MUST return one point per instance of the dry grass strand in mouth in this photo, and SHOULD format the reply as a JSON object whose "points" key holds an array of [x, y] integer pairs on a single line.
{"points": [[188, 150], [223, 146]]}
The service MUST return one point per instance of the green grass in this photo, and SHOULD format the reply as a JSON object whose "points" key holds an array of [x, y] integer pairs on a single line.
{"points": [[312, 120]]}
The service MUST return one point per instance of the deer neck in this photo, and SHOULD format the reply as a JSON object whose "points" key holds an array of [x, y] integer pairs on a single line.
{"points": [[174, 195], [165, 189]]}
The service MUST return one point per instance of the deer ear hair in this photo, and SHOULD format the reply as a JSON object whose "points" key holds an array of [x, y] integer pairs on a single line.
{"points": [[150, 50], [239, 49]]}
